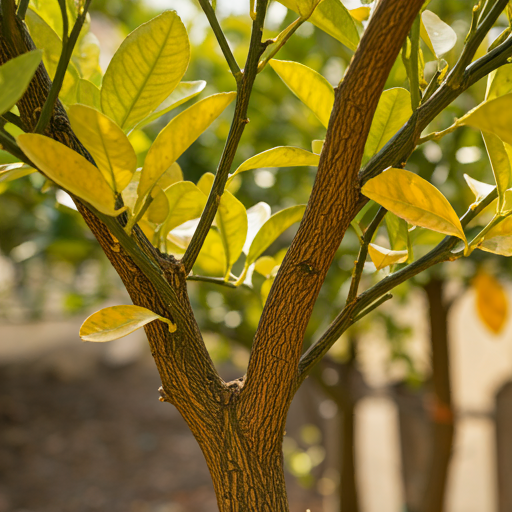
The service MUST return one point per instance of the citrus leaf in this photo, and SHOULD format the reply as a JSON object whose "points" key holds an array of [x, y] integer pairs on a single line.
{"points": [[158, 210], [212, 258], [397, 232], [491, 302], [317, 146], [492, 117], [438, 36], [88, 94], [186, 202], [498, 240], [499, 154], [118, 321], [178, 135], [309, 86], [393, 111], [265, 265], [11, 172], [70, 170], [382, 257], [107, 143], [231, 221], [415, 200], [15, 77], [171, 176], [331, 16], [184, 91], [272, 229], [257, 215], [282, 156], [480, 190], [499, 82], [205, 183], [360, 13], [147, 66]]}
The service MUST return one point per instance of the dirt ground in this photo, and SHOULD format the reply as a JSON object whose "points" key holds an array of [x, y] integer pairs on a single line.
{"points": [[100, 444]]}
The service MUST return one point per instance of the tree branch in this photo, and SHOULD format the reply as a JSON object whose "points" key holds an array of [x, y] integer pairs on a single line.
{"points": [[278, 341], [244, 88]]}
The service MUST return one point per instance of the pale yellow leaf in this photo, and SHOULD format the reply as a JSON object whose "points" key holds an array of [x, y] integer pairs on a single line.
{"points": [[212, 258], [205, 183], [382, 257], [117, 321], [171, 176], [480, 190], [499, 82], [317, 146], [265, 265], [158, 210], [498, 240], [438, 36]]}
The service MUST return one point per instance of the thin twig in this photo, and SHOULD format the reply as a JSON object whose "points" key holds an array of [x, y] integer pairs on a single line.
{"points": [[372, 307], [244, 88], [22, 9], [9, 144], [221, 38], [363, 253], [68, 45], [13, 119]]}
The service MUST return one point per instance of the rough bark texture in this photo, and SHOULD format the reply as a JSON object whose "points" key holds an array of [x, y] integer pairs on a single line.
{"points": [[442, 417], [240, 428]]}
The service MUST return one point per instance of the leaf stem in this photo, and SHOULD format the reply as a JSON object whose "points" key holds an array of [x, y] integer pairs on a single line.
{"points": [[22, 9], [244, 89], [411, 63], [221, 38], [68, 45]]}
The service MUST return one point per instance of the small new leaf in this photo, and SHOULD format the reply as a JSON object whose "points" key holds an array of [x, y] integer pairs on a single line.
{"points": [[382, 257], [438, 36], [118, 321]]}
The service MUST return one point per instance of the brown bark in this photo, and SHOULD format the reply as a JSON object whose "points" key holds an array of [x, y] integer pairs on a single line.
{"points": [[442, 417], [333, 203]]}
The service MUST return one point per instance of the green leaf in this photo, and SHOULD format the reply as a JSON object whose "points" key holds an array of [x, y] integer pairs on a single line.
{"points": [[11, 172], [499, 82], [397, 232], [393, 111], [107, 143], [186, 202], [415, 200], [147, 66], [184, 91], [86, 56], [272, 229], [498, 240], [492, 117], [438, 36], [70, 170], [15, 77], [231, 220], [212, 258], [309, 86], [117, 321], [499, 155], [205, 183], [481, 190], [88, 94], [331, 16], [178, 135], [282, 156], [382, 257]]}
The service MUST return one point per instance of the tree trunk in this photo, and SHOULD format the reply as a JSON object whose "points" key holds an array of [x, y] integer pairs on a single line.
{"points": [[442, 417]]}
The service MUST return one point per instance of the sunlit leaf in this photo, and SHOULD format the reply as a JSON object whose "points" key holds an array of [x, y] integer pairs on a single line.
{"points": [[272, 229], [393, 111], [205, 183], [257, 215], [212, 258], [480, 189], [158, 210], [498, 239], [331, 16], [15, 76], [491, 302], [178, 135], [70, 170], [184, 91], [438, 36], [382, 257], [86, 57], [499, 82], [147, 66], [397, 232], [265, 289], [186, 202], [88, 94], [171, 176], [231, 221], [265, 265], [283, 156], [317, 146], [107, 143], [500, 155], [117, 321], [492, 117], [11, 172], [309, 86], [360, 13], [415, 200]]}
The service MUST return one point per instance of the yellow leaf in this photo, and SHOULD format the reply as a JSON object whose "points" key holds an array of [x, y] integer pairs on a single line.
{"points": [[171, 176], [265, 265], [492, 117], [88, 94], [282, 156], [158, 210], [70, 170], [393, 111], [491, 302], [205, 183], [499, 82], [231, 221], [480, 189], [265, 289], [360, 13], [117, 321], [146, 68], [415, 200], [317, 146], [438, 36], [212, 258], [309, 86], [178, 135], [107, 143], [382, 257], [498, 240]]}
